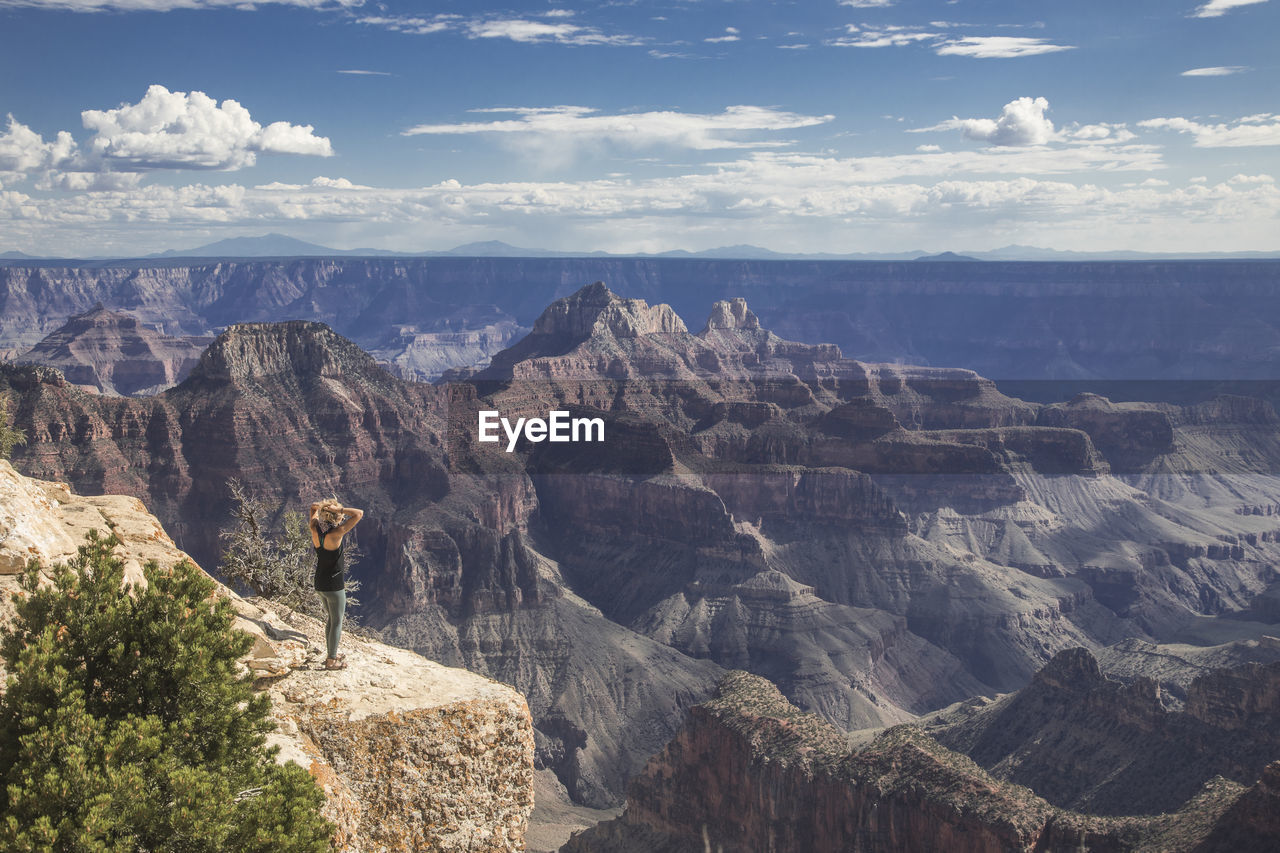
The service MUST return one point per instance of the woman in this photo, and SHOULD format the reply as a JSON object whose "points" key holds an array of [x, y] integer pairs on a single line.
{"points": [[330, 521]]}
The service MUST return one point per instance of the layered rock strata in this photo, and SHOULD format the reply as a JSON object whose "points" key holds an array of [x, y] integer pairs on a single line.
{"points": [[1084, 741], [1042, 321], [750, 772], [112, 353]]}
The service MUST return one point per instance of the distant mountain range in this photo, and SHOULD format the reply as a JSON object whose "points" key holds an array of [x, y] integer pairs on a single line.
{"points": [[284, 246]]}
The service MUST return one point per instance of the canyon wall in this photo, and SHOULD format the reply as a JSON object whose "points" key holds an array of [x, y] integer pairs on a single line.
{"points": [[1010, 320]]}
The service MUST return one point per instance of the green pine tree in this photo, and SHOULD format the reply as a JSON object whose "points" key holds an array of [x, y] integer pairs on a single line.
{"points": [[125, 726]]}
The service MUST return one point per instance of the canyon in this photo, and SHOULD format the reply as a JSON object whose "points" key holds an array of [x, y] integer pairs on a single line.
{"points": [[1067, 322], [881, 541]]}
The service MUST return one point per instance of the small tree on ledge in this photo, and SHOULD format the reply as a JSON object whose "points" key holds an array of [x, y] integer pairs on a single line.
{"points": [[277, 565], [126, 728]]}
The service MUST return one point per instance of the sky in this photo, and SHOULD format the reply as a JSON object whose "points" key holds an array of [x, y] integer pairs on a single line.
{"points": [[136, 126]]}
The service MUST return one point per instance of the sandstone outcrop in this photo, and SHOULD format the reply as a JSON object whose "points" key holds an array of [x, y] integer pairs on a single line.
{"points": [[411, 755], [111, 352]]}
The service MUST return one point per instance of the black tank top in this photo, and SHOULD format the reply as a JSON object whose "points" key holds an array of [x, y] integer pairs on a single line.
{"points": [[329, 569]]}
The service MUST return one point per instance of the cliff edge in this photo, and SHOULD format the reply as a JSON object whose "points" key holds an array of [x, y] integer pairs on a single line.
{"points": [[411, 755]]}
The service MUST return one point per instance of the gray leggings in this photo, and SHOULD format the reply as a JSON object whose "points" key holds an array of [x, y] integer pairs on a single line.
{"points": [[335, 607]]}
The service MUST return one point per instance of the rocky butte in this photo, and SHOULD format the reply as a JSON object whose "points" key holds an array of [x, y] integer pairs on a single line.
{"points": [[111, 352], [411, 755], [880, 541]]}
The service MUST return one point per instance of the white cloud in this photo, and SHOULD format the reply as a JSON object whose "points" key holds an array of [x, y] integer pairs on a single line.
{"points": [[534, 32], [928, 149], [180, 130], [1260, 129], [882, 36], [999, 47], [1101, 132], [88, 181], [170, 5], [23, 150], [864, 4], [565, 124], [731, 34], [1218, 8], [980, 47], [411, 24], [1215, 71], [361, 72], [1021, 122]]}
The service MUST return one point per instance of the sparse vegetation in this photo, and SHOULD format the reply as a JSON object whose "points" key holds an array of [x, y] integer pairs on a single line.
{"points": [[276, 563], [126, 728], [10, 436]]}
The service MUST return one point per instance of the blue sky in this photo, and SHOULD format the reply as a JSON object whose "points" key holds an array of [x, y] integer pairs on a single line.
{"points": [[640, 125]]}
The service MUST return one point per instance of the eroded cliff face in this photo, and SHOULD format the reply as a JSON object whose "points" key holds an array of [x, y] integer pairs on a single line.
{"points": [[411, 755], [296, 413], [1084, 741], [881, 540], [1005, 320], [111, 352], [750, 772]]}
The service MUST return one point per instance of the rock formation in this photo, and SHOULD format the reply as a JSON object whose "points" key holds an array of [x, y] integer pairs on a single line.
{"points": [[411, 755], [111, 352], [750, 772], [1084, 741], [1008, 320], [423, 356], [882, 540]]}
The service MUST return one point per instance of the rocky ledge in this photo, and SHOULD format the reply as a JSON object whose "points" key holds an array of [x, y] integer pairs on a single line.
{"points": [[411, 755]]}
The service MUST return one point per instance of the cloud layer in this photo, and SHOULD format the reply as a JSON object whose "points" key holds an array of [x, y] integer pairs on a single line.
{"points": [[1260, 129], [697, 131], [805, 201]]}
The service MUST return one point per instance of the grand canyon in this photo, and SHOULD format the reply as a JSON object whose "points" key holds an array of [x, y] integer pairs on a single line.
{"points": [[910, 556]]}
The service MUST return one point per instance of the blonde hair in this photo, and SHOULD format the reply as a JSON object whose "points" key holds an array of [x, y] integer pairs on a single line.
{"points": [[330, 512]]}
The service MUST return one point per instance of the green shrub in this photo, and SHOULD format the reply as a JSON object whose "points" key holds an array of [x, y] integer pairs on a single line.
{"points": [[126, 726], [10, 436]]}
